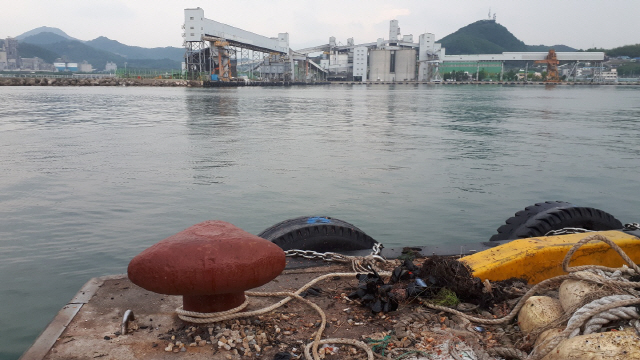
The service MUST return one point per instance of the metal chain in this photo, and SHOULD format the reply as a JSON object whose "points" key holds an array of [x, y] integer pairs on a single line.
{"points": [[310, 254], [570, 230], [632, 226], [377, 248], [567, 230], [329, 256]]}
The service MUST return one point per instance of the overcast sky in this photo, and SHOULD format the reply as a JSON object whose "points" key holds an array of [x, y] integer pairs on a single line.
{"points": [[157, 23]]}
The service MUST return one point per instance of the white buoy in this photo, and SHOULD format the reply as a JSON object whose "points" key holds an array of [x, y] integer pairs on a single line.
{"points": [[539, 311]]}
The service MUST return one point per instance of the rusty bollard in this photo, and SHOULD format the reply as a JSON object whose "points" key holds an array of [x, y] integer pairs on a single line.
{"points": [[210, 264]]}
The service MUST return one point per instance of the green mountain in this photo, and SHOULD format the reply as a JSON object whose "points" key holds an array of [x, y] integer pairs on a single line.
{"points": [[44, 29], [632, 51], [489, 37], [137, 52], [76, 51], [52, 43], [482, 37], [44, 38], [50, 46], [559, 48], [104, 44], [27, 50]]}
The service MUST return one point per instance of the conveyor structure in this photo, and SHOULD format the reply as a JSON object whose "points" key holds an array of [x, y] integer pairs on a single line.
{"points": [[218, 51], [224, 51], [398, 58]]}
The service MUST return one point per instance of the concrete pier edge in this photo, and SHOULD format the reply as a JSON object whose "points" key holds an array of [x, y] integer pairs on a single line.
{"points": [[45, 341]]}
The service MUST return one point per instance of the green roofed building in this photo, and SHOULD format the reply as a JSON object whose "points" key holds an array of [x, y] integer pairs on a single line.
{"points": [[491, 67]]}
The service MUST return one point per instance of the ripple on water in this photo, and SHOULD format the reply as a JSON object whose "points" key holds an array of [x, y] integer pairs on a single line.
{"points": [[91, 176]]}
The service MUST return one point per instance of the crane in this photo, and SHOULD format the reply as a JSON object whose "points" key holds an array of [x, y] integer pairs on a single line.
{"points": [[552, 66], [223, 60]]}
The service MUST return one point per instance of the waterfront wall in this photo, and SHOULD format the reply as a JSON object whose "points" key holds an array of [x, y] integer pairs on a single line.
{"points": [[19, 81]]}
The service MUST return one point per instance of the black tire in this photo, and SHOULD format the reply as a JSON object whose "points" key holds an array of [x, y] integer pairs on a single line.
{"points": [[317, 233], [506, 232], [539, 219]]}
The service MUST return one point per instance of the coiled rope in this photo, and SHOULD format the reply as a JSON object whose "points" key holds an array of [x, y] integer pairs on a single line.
{"points": [[592, 315], [508, 353], [622, 313], [209, 318], [543, 349]]}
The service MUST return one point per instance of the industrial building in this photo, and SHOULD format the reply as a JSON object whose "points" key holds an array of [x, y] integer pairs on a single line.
{"points": [[85, 67], [218, 51], [35, 64], [66, 66], [3, 58], [397, 58], [471, 66], [110, 67], [214, 50], [9, 59]]}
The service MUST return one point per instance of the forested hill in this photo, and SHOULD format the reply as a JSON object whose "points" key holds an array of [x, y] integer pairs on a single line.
{"points": [[488, 37], [626, 50], [50, 46]]}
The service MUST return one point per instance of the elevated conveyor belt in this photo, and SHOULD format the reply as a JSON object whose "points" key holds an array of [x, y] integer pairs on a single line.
{"points": [[314, 49], [198, 28], [317, 66], [527, 56]]}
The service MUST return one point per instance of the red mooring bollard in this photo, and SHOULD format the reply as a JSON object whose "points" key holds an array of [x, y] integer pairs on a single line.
{"points": [[210, 264]]}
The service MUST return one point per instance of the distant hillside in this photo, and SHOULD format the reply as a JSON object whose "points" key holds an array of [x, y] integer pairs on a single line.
{"points": [[489, 37], [160, 64], [137, 52], [482, 37], [50, 43], [42, 29], [43, 38], [627, 50], [559, 48], [76, 51], [27, 50], [631, 51]]}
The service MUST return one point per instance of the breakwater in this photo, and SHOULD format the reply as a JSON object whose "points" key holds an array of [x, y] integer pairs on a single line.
{"points": [[261, 83], [452, 83], [30, 81]]}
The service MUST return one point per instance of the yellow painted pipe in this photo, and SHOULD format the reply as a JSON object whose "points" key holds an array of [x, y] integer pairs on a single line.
{"points": [[537, 259]]}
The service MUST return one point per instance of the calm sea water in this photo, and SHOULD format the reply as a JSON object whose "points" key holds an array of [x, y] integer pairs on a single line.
{"points": [[89, 177]]}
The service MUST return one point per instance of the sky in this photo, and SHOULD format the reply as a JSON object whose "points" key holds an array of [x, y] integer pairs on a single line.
{"points": [[580, 24]]}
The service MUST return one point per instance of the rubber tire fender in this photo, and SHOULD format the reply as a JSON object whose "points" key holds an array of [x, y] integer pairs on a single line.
{"points": [[539, 219], [505, 232], [317, 233]]}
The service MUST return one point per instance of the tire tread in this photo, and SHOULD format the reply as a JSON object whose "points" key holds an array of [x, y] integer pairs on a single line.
{"points": [[555, 216]]}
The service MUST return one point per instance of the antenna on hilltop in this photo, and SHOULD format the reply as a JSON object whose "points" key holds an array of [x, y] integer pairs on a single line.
{"points": [[489, 17]]}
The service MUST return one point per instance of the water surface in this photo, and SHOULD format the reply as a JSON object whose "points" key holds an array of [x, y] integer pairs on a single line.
{"points": [[89, 177]]}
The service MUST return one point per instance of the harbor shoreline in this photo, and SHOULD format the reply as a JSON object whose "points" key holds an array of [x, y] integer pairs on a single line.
{"points": [[20, 81]]}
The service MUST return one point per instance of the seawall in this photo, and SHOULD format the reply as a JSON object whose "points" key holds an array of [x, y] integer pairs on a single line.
{"points": [[29, 81]]}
